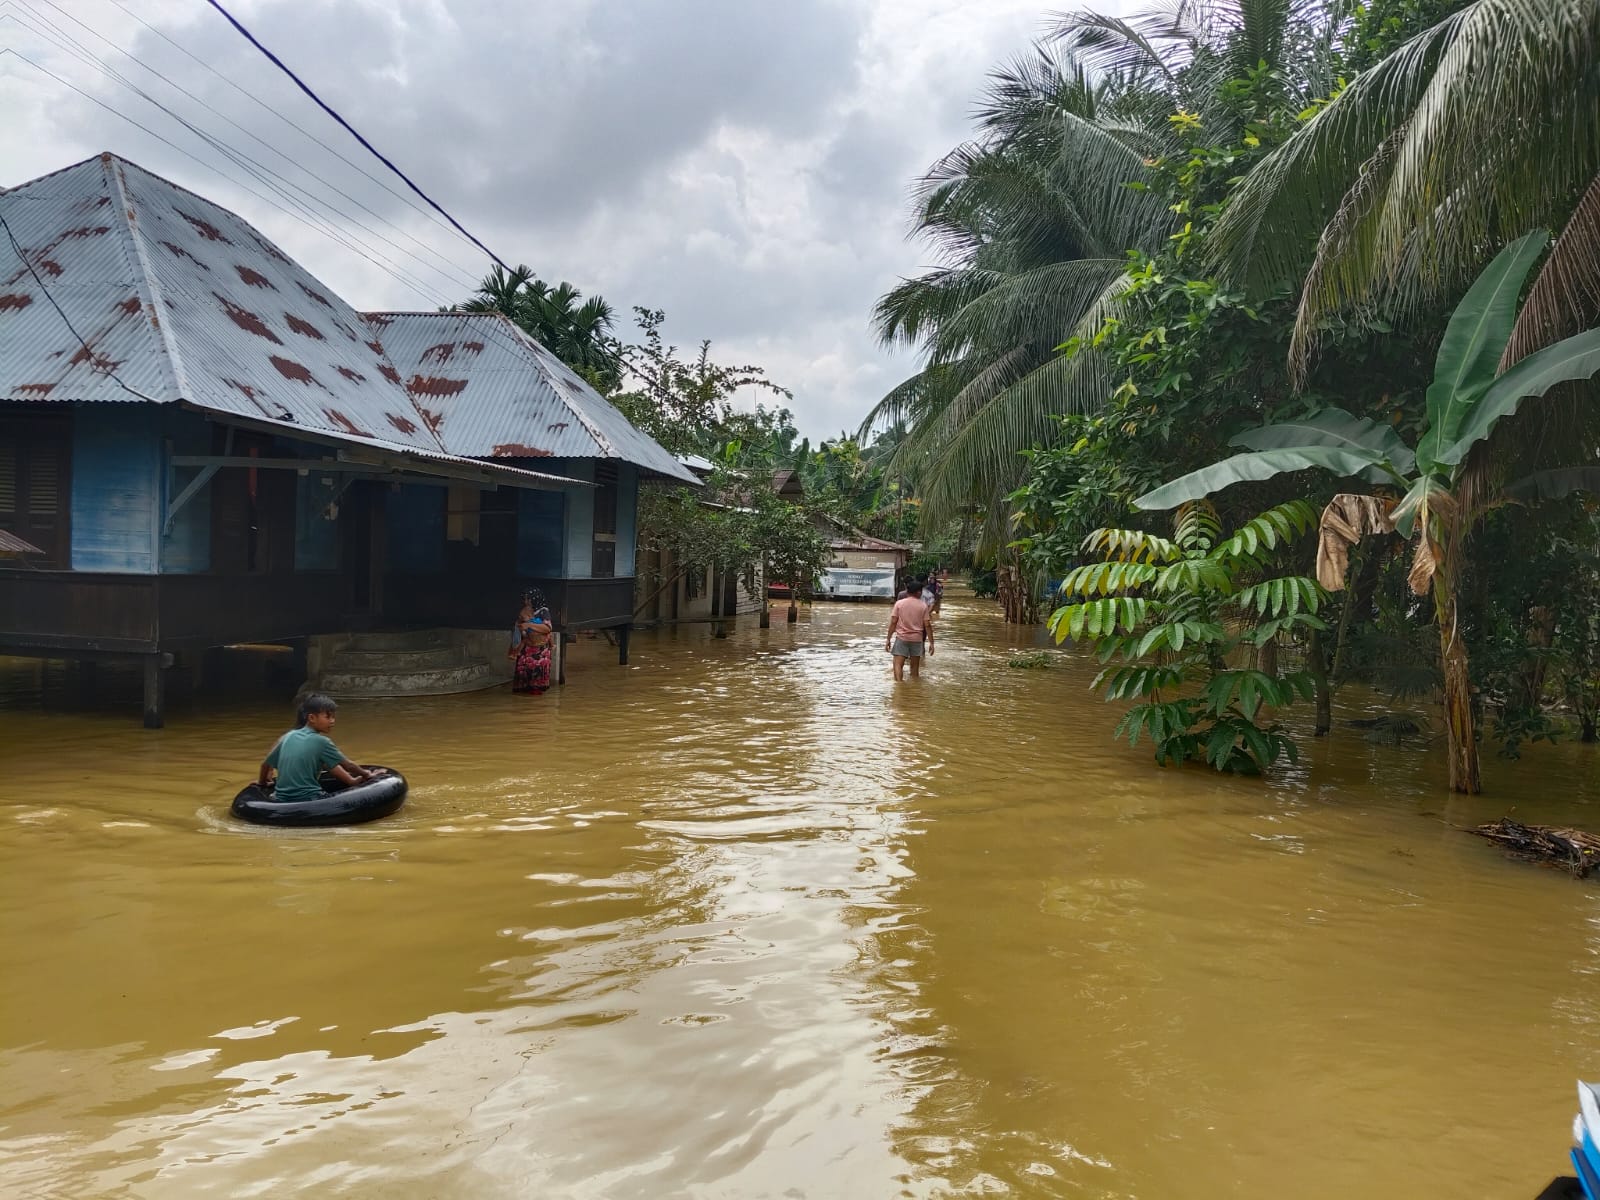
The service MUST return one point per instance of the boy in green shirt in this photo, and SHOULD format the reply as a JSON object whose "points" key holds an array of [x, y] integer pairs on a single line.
{"points": [[306, 751]]}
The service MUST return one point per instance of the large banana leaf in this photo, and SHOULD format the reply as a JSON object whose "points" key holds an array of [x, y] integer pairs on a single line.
{"points": [[1256, 465], [1575, 358], [1336, 428], [1473, 342]]}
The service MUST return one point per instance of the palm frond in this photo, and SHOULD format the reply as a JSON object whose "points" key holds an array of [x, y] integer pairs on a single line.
{"points": [[1565, 297], [1477, 129]]}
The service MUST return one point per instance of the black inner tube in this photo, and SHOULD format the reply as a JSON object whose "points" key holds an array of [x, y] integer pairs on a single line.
{"points": [[337, 805]]}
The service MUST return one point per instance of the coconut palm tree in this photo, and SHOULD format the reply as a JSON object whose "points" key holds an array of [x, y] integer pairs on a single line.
{"points": [[1482, 126], [579, 334], [1030, 222], [1189, 56], [1435, 492]]}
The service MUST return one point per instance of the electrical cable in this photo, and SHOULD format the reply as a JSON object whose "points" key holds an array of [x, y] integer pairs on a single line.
{"points": [[310, 219], [301, 84], [296, 126], [60, 312], [491, 329], [250, 165], [459, 274]]}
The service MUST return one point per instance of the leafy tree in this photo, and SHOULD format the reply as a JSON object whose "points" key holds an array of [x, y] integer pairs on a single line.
{"points": [[738, 528], [1169, 616], [685, 404], [790, 541], [1536, 627], [1440, 501]]}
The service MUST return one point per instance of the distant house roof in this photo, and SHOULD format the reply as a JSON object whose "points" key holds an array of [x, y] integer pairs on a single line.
{"points": [[12, 546], [861, 541], [787, 484], [165, 297], [848, 537]]}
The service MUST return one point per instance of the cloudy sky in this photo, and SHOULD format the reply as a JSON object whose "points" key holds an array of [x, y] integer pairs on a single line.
{"points": [[743, 165]]}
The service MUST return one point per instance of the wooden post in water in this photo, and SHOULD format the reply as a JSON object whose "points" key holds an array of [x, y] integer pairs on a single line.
{"points": [[766, 601], [622, 644], [154, 691]]}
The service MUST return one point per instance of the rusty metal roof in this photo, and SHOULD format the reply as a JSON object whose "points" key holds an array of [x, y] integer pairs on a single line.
{"points": [[137, 290], [491, 391]]}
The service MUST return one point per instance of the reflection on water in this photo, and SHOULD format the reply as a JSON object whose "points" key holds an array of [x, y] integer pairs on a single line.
{"points": [[748, 919]]}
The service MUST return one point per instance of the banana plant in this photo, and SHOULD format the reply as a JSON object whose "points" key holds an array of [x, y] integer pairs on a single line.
{"points": [[1421, 496], [1170, 618]]}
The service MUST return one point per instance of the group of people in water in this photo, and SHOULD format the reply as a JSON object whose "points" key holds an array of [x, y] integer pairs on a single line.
{"points": [[301, 757]]}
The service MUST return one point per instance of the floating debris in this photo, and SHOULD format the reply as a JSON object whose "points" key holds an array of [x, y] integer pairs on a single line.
{"points": [[1573, 850]]}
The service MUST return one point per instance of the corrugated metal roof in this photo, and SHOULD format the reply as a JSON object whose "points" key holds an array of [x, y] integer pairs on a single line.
{"points": [[491, 391], [11, 544], [175, 299]]}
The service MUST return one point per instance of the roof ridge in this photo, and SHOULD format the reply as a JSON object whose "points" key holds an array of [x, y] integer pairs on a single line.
{"points": [[144, 276], [426, 312], [27, 183]]}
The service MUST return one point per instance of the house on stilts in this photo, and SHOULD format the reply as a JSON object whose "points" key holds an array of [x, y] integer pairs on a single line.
{"points": [[206, 445]]}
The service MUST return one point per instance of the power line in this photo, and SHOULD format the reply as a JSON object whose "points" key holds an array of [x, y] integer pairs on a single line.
{"points": [[492, 330], [310, 219], [296, 126], [250, 165], [301, 84], [459, 275]]}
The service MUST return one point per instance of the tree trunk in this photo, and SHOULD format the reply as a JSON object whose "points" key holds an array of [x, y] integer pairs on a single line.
{"points": [[1353, 597], [1267, 658], [1016, 598], [766, 601], [1317, 664], [1463, 739]]}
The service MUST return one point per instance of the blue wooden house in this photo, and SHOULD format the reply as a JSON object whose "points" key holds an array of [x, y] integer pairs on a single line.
{"points": [[208, 445]]}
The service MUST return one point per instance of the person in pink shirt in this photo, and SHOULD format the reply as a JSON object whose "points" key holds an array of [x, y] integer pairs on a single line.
{"points": [[909, 631]]}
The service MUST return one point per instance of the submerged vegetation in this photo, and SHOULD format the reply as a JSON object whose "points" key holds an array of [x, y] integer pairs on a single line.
{"points": [[1222, 255]]}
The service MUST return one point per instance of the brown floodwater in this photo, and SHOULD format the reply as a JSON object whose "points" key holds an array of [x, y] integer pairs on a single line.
{"points": [[747, 919]]}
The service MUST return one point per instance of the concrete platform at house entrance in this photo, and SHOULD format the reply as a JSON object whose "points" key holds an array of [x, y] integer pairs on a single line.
{"points": [[421, 662]]}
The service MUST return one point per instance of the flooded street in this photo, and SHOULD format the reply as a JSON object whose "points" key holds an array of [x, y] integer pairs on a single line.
{"points": [[747, 919]]}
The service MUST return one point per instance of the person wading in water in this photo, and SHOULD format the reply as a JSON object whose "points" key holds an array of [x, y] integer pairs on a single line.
{"points": [[909, 631], [530, 646]]}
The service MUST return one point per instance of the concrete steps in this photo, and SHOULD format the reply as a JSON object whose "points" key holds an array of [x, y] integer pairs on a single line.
{"points": [[425, 662]]}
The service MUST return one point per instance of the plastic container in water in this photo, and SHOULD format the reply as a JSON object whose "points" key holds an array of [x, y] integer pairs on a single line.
{"points": [[1586, 1132]]}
